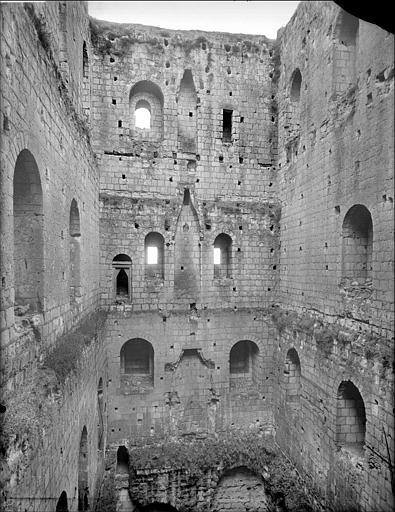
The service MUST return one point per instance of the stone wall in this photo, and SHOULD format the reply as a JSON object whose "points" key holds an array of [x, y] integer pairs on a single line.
{"points": [[49, 254], [336, 152]]}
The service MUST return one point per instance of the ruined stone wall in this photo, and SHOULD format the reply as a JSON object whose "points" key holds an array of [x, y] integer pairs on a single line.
{"points": [[189, 178], [231, 184], [191, 390], [336, 283], [49, 252]]}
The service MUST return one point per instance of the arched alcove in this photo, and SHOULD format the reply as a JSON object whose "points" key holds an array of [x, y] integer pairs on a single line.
{"points": [[345, 51], [357, 244], [222, 256], [292, 378], [28, 233], [154, 248], [148, 96], [350, 418], [137, 364], [186, 112], [296, 84], [83, 485], [122, 460], [243, 364], [75, 251], [122, 277]]}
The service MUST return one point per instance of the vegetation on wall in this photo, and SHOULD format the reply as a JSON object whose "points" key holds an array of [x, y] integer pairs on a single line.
{"points": [[30, 410], [64, 357], [370, 346], [230, 450]]}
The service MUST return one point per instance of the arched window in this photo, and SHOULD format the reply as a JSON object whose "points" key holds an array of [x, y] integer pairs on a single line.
{"points": [[222, 256], [292, 376], [146, 110], [62, 505], [243, 364], [296, 83], [122, 460], [357, 244], [346, 36], [350, 418], [137, 357], [142, 115], [75, 251], [83, 486], [100, 413], [154, 256], [122, 273], [28, 233]]}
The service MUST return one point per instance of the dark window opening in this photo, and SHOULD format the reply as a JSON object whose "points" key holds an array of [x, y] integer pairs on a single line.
{"points": [[137, 358], [122, 266], [296, 84], [227, 125], [243, 364], [122, 460], [62, 505], [187, 197]]}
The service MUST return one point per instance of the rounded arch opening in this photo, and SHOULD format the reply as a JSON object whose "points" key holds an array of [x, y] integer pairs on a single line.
{"points": [[142, 115], [146, 109], [350, 418], [243, 364], [223, 256], [357, 245], [122, 460], [292, 377], [345, 51], [83, 486], [62, 504], [28, 214], [137, 359], [296, 85]]}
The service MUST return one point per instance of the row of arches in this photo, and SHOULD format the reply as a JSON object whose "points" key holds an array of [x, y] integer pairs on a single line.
{"points": [[357, 254], [28, 215], [137, 358], [154, 259], [350, 425]]}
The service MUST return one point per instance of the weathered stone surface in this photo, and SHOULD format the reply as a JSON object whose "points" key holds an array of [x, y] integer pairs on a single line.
{"points": [[277, 153]]}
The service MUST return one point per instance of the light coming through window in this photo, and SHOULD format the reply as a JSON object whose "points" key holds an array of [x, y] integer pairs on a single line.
{"points": [[143, 118], [217, 256], [152, 255]]}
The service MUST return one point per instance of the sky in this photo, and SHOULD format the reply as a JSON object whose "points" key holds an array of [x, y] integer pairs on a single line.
{"points": [[245, 17]]}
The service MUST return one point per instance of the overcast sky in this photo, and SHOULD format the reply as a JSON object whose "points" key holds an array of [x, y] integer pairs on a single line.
{"points": [[246, 17]]}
